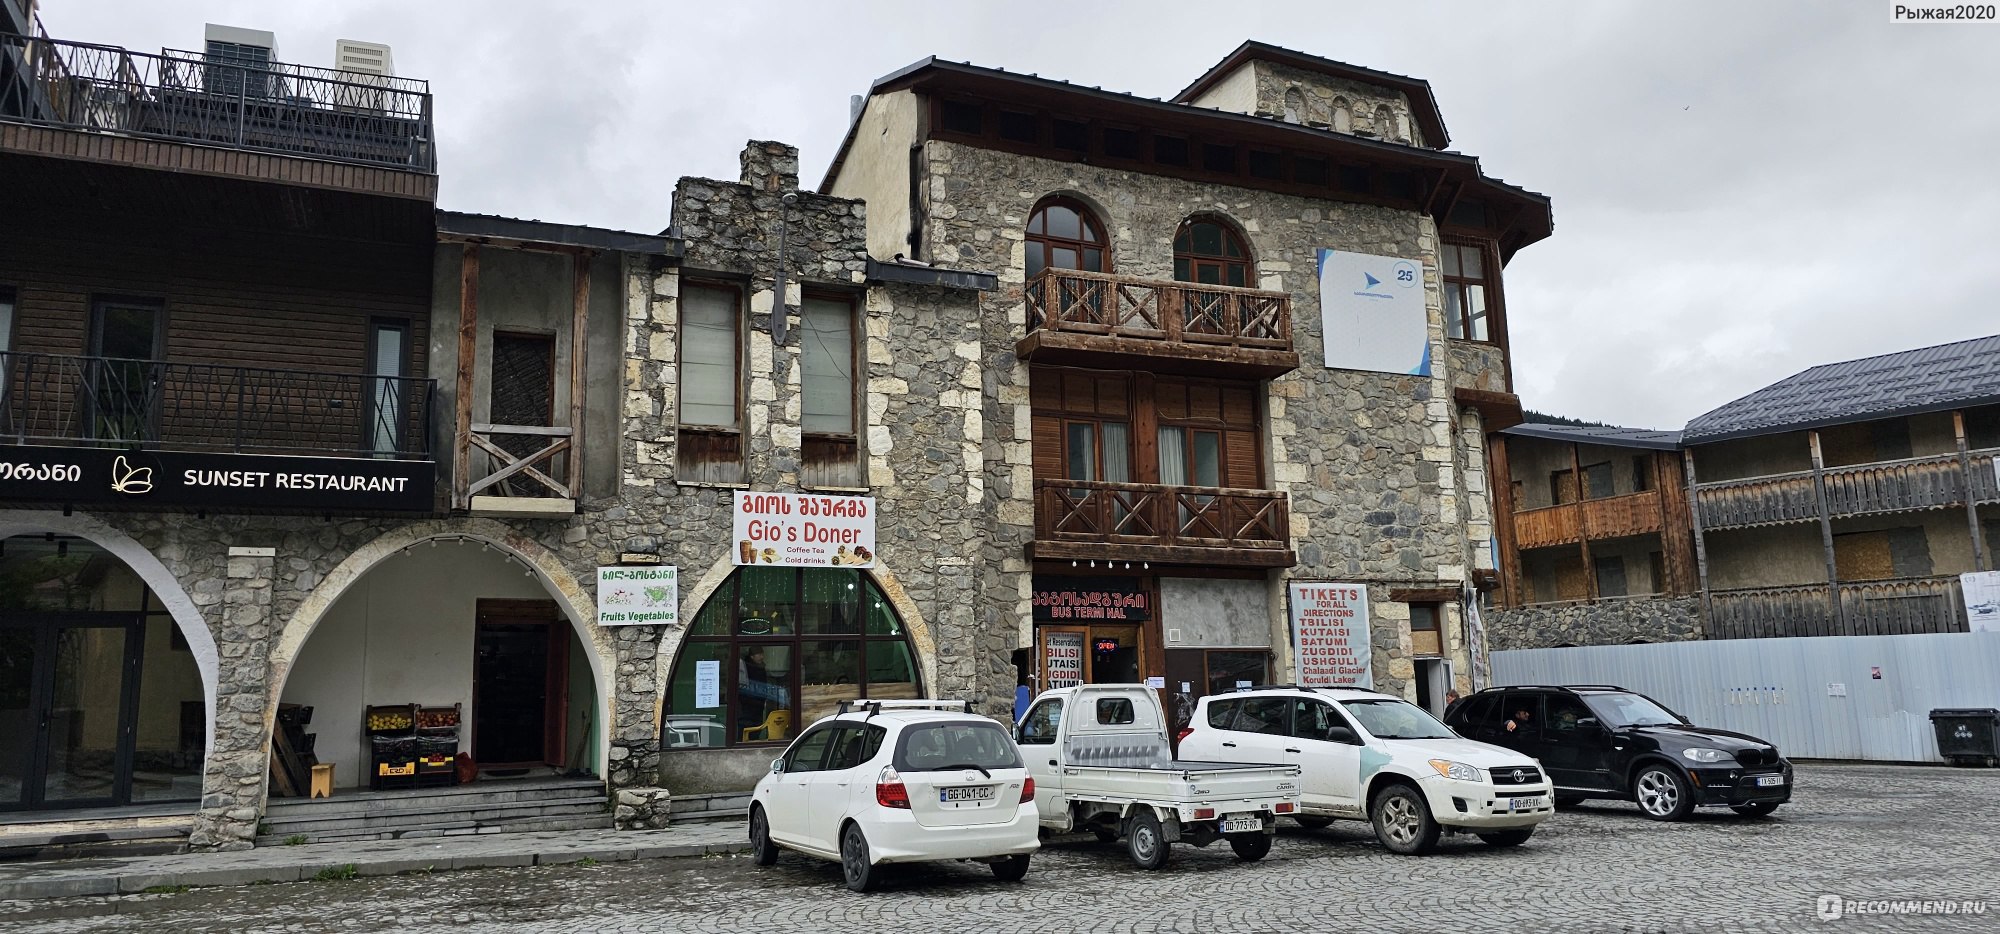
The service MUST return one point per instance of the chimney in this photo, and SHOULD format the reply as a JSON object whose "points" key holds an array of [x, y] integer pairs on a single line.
{"points": [[769, 166]]}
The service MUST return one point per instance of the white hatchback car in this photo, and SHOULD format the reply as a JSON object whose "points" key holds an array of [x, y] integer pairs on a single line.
{"points": [[1374, 757], [896, 782]]}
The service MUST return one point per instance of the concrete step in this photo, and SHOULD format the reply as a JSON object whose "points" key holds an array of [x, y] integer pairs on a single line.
{"points": [[696, 809], [446, 828], [25, 842], [474, 815], [461, 797]]}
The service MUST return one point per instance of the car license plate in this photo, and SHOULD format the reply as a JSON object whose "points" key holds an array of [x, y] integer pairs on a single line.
{"points": [[972, 793], [1768, 781], [1528, 804], [1242, 824]]}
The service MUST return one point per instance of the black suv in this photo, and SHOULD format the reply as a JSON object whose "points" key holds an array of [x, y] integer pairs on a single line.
{"points": [[1599, 741]]}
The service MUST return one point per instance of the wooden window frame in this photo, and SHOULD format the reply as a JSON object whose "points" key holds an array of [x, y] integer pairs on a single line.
{"points": [[1087, 218], [1097, 423], [739, 291], [1220, 424], [94, 333], [1224, 263], [857, 334], [1495, 314]]}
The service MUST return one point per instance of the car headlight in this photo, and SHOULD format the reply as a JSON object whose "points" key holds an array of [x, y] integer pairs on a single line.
{"points": [[1457, 770], [1705, 754]]}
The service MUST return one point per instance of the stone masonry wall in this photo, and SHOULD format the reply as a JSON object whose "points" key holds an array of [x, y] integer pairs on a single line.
{"points": [[1298, 96], [1375, 463], [1606, 622]]}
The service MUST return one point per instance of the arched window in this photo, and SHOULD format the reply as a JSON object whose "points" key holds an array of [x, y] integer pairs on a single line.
{"points": [[1207, 250], [775, 649], [1295, 105], [1064, 234], [1343, 116]]}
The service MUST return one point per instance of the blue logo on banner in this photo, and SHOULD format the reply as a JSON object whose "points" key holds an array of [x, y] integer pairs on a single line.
{"points": [[1372, 281]]}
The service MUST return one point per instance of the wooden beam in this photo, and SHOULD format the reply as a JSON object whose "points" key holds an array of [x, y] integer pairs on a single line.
{"points": [[1675, 525], [1582, 533], [468, 358], [1826, 535], [1700, 543], [1980, 560], [1424, 595], [579, 358], [1500, 483], [556, 431]]}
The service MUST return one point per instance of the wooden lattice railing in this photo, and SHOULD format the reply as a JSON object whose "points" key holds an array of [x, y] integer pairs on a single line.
{"points": [[1156, 514], [1905, 485], [1122, 306]]}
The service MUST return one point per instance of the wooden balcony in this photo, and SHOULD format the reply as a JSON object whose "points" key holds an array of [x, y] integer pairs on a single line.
{"points": [[1611, 517], [1118, 322], [1867, 608], [1085, 520], [1907, 485]]}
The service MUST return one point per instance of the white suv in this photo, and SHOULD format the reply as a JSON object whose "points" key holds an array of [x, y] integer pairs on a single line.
{"points": [[1374, 757], [895, 782]]}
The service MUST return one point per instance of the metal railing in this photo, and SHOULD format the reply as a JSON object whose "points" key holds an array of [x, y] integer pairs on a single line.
{"points": [[109, 402], [319, 113], [1122, 306]]}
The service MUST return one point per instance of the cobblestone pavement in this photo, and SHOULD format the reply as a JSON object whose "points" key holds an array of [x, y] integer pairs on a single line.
{"points": [[1863, 832]]}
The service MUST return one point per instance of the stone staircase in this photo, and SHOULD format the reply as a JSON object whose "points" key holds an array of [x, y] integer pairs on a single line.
{"points": [[479, 808], [45, 838]]}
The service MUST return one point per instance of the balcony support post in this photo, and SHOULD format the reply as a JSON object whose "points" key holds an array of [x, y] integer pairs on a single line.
{"points": [[1700, 542], [1835, 615], [468, 354], [579, 327], [1500, 483], [1980, 560], [1582, 525]]}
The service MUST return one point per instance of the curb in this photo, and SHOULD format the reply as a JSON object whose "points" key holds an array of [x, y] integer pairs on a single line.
{"points": [[116, 883]]}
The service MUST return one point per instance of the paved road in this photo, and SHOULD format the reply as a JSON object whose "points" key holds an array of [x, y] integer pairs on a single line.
{"points": [[1864, 832]]}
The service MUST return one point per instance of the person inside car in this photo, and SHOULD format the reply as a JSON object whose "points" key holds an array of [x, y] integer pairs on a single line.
{"points": [[1520, 720]]}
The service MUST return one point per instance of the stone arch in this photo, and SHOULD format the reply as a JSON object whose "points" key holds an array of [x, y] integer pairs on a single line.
{"points": [[572, 597], [1385, 124], [1231, 228], [1295, 105], [164, 584], [922, 640], [1343, 116]]}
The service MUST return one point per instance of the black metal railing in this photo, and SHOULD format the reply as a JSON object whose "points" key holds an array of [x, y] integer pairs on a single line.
{"points": [[320, 113], [108, 402]]}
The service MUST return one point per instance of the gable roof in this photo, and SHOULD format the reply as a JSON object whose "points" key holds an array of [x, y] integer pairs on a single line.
{"points": [[1604, 435], [1423, 104], [1912, 382]]}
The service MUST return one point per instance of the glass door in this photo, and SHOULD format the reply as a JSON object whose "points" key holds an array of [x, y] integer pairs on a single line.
{"points": [[67, 683], [20, 719], [127, 341]]}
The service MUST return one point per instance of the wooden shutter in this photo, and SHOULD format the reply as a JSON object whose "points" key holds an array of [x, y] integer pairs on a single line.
{"points": [[1863, 556], [1241, 465], [1048, 447]]}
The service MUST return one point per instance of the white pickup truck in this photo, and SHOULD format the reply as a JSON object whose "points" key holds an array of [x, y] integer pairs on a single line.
{"points": [[1101, 762]]}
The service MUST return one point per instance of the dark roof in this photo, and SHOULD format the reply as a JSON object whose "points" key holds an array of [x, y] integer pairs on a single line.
{"points": [[1536, 223], [493, 227], [1604, 435], [1423, 104], [1928, 379], [915, 273]]}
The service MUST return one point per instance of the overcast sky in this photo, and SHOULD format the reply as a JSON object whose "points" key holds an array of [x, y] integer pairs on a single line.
{"points": [[1742, 190]]}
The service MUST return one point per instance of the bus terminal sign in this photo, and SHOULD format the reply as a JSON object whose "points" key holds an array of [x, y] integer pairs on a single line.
{"points": [[1330, 635]]}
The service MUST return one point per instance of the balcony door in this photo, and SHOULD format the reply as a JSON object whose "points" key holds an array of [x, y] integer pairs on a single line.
{"points": [[388, 359], [121, 381]]}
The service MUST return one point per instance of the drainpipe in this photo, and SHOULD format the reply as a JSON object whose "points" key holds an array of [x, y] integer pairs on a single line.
{"points": [[779, 310]]}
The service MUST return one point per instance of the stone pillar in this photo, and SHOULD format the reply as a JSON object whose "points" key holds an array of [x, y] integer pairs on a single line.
{"points": [[769, 166], [234, 779], [635, 727]]}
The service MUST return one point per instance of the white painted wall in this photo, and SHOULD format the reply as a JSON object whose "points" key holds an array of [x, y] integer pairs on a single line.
{"points": [[403, 634]]}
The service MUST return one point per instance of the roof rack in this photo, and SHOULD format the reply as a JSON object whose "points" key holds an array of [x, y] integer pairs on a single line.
{"points": [[1307, 687], [874, 707], [1559, 687]]}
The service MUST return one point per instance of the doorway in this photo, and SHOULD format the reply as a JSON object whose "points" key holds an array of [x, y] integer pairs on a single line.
{"points": [[520, 684], [1433, 684], [1095, 654]]}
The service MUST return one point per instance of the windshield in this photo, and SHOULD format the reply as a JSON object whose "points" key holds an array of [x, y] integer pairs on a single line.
{"points": [[1389, 718], [1623, 710], [931, 747]]}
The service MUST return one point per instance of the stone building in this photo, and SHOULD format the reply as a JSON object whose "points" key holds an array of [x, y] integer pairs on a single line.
{"points": [[1166, 449], [1849, 499]]}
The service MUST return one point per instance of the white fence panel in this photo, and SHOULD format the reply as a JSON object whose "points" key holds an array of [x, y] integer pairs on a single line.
{"points": [[1822, 697]]}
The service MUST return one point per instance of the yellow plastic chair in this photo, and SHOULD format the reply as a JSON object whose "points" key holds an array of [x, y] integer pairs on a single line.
{"points": [[776, 725]]}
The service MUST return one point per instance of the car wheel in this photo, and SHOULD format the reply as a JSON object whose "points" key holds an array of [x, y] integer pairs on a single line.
{"points": [[1314, 823], [1507, 837], [761, 848], [1147, 842], [1250, 847], [1403, 821], [1755, 808], [860, 874], [1662, 794], [1011, 869]]}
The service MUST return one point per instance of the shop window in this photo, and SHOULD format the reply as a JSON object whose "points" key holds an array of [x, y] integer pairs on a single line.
{"points": [[777, 649], [711, 348], [1064, 234], [828, 363], [1468, 290]]}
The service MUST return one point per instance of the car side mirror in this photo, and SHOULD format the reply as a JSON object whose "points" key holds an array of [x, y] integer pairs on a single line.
{"points": [[1588, 723], [778, 765], [1341, 734]]}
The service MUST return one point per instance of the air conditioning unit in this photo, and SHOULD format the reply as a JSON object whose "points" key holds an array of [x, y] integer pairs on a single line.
{"points": [[239, 61], [366, 66]]}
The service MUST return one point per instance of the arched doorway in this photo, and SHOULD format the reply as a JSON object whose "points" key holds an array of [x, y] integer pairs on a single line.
{"points": [[103, 700], [466, 632], [774, 649]]}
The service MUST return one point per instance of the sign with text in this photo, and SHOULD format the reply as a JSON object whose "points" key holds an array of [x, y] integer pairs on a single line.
{"points": [[1062, 659], [1101, 599], [1372, 313], [638, 596], [218, 482], [801, 530], [1330, 635], [1982, 599]]}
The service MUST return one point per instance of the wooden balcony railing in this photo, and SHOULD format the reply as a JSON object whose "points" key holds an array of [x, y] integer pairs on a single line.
{"points": [[1216, 524], [1906, 485], [1610, 517], [1070, 311], [1867, 608], [522, 460]]}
